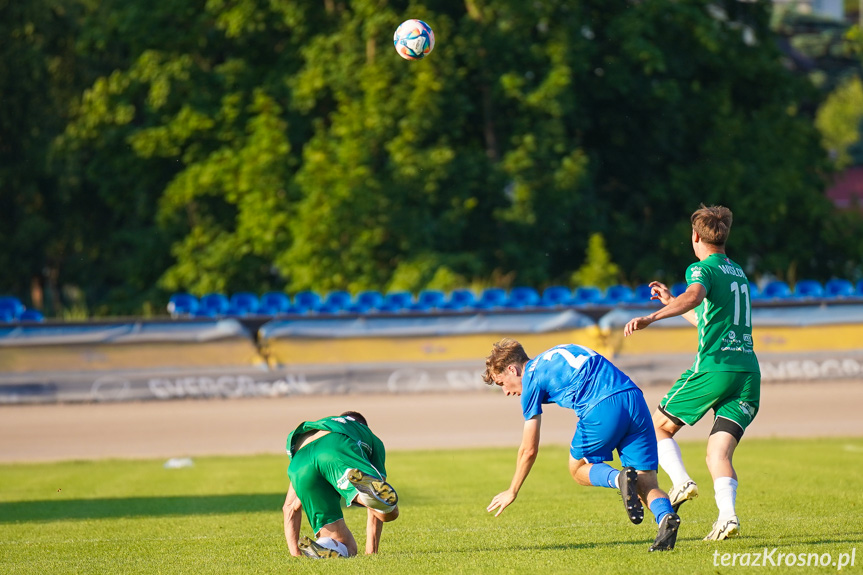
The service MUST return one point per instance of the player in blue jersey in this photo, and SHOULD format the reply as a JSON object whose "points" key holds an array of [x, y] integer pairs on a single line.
{"points": [[612, 414]]}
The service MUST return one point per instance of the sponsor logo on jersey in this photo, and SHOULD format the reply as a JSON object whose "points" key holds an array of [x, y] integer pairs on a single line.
{"points": [[731, 343], [697, 272]]}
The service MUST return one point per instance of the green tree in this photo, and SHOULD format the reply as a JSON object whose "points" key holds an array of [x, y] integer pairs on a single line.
{"points": [[690, 103], [34, 51], [188, 144], [839, 118], [598, 269], [257, 144]]}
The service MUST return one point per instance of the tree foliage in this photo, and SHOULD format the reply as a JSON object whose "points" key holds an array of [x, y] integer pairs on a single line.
{"points": [[598, 270], [209, 145], [839, 119]]}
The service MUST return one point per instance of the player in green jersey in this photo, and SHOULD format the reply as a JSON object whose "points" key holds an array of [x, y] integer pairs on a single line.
{"points": [[331, 459], [725, 376]]}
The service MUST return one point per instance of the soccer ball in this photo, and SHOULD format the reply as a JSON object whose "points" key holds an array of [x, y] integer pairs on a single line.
{"points": [[414, 40]]}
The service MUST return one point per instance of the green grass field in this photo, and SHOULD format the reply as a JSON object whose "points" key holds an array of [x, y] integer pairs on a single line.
{"points": [[224, 516]]}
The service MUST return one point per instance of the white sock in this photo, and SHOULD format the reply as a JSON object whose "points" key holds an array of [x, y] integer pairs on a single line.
{"points": [[333, 545], [672, 462], [725, 489]]}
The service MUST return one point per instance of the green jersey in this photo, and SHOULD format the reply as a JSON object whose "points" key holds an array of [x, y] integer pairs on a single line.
{"points": [[371, 446], [724, 317]]}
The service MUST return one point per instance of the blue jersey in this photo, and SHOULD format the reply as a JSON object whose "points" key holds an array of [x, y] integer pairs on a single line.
{"points": [[571, 376]]}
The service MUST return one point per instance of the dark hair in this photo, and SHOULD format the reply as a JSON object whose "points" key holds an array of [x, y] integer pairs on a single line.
{"points": [[355, 415]]}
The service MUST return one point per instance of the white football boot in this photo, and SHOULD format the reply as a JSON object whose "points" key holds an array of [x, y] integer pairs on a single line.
{"points": [[680, 494], [725, 529], [374, 493]]}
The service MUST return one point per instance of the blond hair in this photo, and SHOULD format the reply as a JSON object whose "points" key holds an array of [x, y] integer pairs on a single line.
{"points": [[503, 354], [712, 224]]}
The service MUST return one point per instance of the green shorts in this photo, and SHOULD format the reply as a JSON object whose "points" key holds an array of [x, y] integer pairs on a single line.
{"points": [[732, 395], [317, 472]]}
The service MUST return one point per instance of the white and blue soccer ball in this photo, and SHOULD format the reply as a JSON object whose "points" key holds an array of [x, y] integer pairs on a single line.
{"points": [[414, 40]]}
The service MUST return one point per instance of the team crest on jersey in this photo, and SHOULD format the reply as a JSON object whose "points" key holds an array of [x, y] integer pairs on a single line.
{"points": [[747, 409]]}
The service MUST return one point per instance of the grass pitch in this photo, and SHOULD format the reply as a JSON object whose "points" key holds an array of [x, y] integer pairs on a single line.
{"points": [[224, 516]]}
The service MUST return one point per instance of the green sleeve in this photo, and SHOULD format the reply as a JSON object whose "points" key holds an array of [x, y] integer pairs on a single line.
{"points": [[379, 456], [698, 273]]}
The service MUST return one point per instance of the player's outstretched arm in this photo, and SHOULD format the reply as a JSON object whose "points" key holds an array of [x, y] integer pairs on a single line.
{"points": [[683, 305], [293, 512], [527, 452]]}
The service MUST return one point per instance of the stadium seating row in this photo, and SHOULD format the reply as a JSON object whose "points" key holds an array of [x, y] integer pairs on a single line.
{"points": [[13, 311], [278, 303]]}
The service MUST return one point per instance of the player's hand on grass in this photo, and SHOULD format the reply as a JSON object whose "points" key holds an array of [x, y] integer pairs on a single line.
{"points": [[502, 500], [636, 324]]}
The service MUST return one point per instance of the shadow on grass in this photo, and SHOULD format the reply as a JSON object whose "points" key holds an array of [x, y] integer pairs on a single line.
{"points": [[22, 511], [572, 546]]}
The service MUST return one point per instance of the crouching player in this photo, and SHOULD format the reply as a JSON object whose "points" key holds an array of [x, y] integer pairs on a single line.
{"points": [[334, 458], [612, 415]]}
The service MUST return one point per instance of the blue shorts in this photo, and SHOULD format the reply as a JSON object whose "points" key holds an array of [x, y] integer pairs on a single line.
{"points": [[621, 421]]}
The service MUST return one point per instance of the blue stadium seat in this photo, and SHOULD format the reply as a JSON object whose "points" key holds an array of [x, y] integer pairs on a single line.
{"points": [[366, 302], [369, 299], [340, 299], [274, 303], [431, 298], [201, 312], [642, 294], [306, 301], [678, 288], [31, 315], [776, 289], [234, 311], [553, 296], [520, 297], [216, 303], [586, 295], [860, 288], [808, 289], [838, 288], [428, 300], [11, 305], [618, 293], [397, 301], [6, 316], [491, 298], [325, 308], [244, 303], [459, 299], [754, 292], [182, 305]]}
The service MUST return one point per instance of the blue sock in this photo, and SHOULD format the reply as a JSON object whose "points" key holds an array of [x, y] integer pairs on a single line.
{"points": [[603, 475], [660, 507]]}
